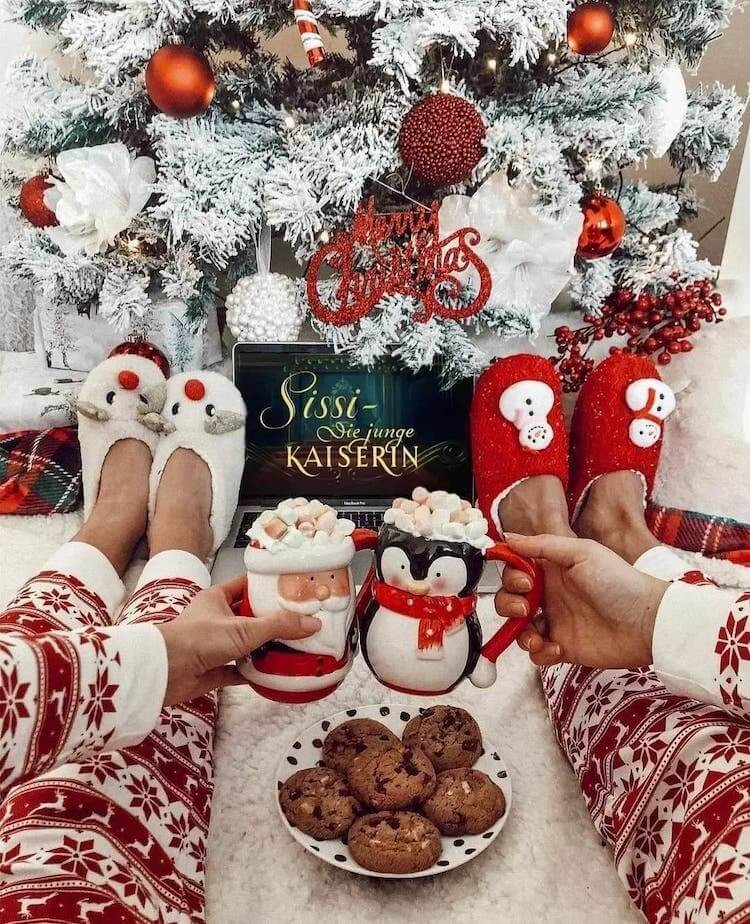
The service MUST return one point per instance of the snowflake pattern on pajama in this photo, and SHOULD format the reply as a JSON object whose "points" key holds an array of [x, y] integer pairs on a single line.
{"points": [[666, 778], [89, 832]]}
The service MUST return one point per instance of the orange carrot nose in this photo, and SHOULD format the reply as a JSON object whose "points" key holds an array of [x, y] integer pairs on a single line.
{"points": [[194, 389], [129, 380]]}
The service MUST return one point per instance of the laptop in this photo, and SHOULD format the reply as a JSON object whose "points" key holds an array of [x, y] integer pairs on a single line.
{"points": [[353, 437]]}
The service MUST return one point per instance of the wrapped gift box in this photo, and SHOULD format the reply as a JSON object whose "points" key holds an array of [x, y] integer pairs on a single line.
{"points": [[65, 339]]}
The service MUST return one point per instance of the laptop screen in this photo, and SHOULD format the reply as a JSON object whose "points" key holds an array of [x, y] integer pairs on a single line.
{"points": [[318, 426]]}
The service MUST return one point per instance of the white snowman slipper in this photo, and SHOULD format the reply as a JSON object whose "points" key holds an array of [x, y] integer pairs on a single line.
{"points": [[205, 413], [122, 398]]}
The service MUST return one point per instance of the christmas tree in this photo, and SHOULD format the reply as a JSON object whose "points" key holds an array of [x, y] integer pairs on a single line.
{"points": [[518, 119]]}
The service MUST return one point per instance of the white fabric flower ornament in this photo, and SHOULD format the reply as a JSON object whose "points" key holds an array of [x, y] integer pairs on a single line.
{"points": [[530, 258], [101, 191]]}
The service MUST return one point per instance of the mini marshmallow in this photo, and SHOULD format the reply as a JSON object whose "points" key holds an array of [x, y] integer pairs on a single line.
{"points": [[476, 529], [307, 528], [389, 516], [276, 528], [398, 502], [345, 527], [440, 518], [298, 502], [321, 538], [404, 522], [451, 503], [408, 506], [294, 538], [420, 495], [327, 521], [287, 514], [316, 509]]}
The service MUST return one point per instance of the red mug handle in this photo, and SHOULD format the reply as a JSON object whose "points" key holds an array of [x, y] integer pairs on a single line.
{"points": [[512, 628]]}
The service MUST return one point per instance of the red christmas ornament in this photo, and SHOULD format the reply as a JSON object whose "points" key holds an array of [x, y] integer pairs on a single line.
{"points": [[146, 350], [661, 325], [32, 202], [603, 227], [179, 81], [441, 139], [590, 28], [408, 257]]}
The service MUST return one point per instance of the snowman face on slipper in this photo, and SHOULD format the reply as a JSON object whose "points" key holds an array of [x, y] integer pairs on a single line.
{"points": [[123, 388], [205, 402], [527, 405]]}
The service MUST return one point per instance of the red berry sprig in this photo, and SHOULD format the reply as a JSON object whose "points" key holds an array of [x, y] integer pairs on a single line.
{"points": [[653, 324]]}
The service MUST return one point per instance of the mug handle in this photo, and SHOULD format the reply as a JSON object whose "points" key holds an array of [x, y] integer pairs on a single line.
{"points": [[512, 628]]}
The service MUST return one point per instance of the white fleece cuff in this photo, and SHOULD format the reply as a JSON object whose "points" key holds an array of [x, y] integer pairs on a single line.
{"points": [[661, 562], [685, 637], [175, 564], [93, 569], [142, 674]]}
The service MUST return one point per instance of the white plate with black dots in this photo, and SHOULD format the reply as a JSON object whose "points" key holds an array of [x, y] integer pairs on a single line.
{"points": [[305, 751]]}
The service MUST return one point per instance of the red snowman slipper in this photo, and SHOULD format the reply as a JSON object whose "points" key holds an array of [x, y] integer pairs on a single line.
{"points": [[618, 424], [517, 430]]}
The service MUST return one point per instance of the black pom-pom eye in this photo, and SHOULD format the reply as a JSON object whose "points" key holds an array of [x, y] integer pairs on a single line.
{"points": [[110, 397], [210, 410], [175, 408], [143, 399]]}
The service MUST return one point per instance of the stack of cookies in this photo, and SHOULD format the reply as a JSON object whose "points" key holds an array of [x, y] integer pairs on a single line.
{"points": [[392, 799]]}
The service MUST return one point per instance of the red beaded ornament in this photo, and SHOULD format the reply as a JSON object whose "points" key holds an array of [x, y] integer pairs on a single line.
{"points": [[604, 227], [32, 204], [590, 28], [146, 350], [441, 139], [653, 324]]}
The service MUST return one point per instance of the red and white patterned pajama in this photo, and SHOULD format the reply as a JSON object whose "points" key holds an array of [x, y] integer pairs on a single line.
{"points": [[105, 796], [663, 756]]}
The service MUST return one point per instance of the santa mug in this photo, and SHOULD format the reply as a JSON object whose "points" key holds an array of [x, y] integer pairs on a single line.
{"points": [[299, 561], [419, 628]]}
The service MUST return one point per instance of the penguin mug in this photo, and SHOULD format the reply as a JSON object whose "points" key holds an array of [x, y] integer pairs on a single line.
{"points": [[419, 629]]}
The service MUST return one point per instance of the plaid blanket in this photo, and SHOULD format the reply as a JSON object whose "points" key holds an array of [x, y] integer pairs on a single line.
{"points": [[719, 537], [40, 471]]}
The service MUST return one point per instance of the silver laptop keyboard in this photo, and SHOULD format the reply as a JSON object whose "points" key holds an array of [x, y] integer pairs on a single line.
{"points": [[363, 519]]}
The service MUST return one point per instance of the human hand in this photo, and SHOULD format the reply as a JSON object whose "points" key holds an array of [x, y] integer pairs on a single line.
{"points": [[207, 636], [598, 610]]}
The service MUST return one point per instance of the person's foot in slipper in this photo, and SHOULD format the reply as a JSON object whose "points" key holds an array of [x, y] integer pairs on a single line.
{"points": [[616, 442], [118, 422], [204, 442]]}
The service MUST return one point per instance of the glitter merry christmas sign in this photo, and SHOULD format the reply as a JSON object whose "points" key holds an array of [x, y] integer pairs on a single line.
{"points": [[398, 253]]}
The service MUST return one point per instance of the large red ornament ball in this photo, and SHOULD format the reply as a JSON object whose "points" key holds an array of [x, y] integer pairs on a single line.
{"points": [[32, 202], [146, 350], [180, 81], [441, 139], [590, 28], [604, 227]]}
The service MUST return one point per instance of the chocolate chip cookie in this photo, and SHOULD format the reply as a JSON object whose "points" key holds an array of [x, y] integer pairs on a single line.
{"points": [[319, 802], [394, 842], [391, 779], [449, 736], [343, 743], [465, 801]]}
